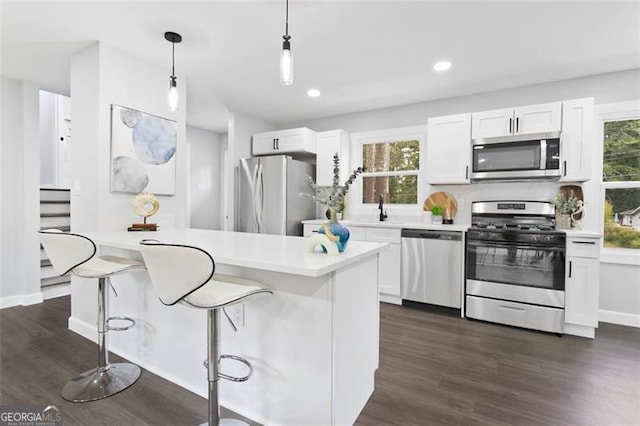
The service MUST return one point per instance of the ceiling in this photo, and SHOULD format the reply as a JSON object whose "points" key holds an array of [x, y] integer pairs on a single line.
{"points": [[362, 55]]}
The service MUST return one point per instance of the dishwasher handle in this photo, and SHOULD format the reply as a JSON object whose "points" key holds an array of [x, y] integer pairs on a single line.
{"points": [[432, 235]]}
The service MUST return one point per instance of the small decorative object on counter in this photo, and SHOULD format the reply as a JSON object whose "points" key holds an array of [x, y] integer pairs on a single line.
{"points": [[333, 199], [446, 201], [437, 212], [145, 204], [566, 204], [577, 217]]}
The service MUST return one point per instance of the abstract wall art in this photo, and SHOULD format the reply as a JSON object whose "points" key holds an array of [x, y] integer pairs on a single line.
{"points": [[143, 152]]}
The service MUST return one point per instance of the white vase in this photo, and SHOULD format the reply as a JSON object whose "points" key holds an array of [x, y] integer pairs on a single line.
{"points": [[436, 220]]}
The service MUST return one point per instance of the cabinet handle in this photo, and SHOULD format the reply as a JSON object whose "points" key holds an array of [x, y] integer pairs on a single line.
{"points": [[466, 172], [512, 308], [273, 144], [517, 124], [570, 264], [583, 242], [564, 167], [511, 125], [278, 144]]}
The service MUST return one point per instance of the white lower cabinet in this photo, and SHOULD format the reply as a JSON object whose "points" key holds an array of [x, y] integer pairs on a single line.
{"points": [[582, 278], [389, 264]]}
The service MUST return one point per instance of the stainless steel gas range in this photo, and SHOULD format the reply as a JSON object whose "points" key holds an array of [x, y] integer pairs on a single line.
{"points": [[515, 265]]}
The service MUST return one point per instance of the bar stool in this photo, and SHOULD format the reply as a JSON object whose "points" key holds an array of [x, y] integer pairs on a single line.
{"points": [[77, 254], [186, 274]]}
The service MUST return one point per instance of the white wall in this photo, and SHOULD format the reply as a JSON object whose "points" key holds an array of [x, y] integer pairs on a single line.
{"points": [[619, 284], [19, 194], [206, 175], [47, 143], [241, 128]]}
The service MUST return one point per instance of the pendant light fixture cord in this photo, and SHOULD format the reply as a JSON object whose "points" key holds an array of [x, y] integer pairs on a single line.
{"points": [[173, 59], [286, 25]]}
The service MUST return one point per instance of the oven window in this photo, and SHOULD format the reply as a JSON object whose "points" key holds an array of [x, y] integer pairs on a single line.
{"points": [[541, 267], [506, 156]]}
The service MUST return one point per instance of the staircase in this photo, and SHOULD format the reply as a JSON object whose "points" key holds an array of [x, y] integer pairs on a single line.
{"points": [[55, 212]]}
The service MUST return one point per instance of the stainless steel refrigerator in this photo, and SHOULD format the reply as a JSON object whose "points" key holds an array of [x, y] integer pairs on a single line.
{"points": [[268, 197]]}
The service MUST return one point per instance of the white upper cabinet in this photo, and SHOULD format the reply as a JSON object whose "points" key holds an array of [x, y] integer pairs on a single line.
{"points": [[330, 143], [523, 120], [577, 137], [448, 152], [291, 141]]}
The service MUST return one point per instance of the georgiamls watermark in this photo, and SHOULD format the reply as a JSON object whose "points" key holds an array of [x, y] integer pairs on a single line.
{"points": [[31, 415]]}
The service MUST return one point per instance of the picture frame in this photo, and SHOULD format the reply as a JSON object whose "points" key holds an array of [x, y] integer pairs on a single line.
{"points": [[143, 152]]}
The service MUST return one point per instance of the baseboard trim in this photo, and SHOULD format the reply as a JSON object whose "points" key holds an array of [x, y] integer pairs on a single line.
{"points": [[21, 300], [59, 290], [620, 318], [388, 298]]}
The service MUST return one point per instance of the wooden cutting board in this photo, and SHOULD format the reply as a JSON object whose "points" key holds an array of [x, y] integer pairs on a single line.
{"points": [[443, 199]]}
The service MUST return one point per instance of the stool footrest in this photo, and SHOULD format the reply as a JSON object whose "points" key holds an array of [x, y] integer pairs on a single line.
{"points": [[123, 328], [233, 378]]}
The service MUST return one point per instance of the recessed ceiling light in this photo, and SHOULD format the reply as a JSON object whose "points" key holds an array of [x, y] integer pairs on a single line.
{"points": [[314, 93], [442, 66]]}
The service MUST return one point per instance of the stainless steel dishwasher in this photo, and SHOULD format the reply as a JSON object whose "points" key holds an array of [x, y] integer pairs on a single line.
{"points": [[432, 267]]}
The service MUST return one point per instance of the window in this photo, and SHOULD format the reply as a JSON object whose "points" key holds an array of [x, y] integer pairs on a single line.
{"points": [[621, 177], [391, 170], [391, 160]]}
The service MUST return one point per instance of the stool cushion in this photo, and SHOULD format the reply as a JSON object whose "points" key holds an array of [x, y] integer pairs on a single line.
{"points": [[224, 290], [101, 266]]}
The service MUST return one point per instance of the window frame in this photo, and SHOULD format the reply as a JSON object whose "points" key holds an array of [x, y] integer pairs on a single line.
{"points": [[618, 111], [354, 198]]}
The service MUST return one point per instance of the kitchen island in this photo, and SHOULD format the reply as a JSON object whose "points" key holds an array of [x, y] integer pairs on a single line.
{"points": [[313, 344]]}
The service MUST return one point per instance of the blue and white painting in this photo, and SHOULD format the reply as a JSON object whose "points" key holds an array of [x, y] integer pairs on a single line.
{"points": [[143, 152]]}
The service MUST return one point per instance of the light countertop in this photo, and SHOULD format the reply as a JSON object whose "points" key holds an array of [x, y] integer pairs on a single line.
{"points": [[453, 227], [393, 225], [276, 253]]}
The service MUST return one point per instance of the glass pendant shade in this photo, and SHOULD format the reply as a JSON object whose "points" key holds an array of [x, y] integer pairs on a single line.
{"points": [[173, 95], [286, 65]]}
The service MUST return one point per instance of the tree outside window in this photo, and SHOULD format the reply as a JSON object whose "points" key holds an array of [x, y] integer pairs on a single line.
{"points": [[391, 170], [621, 181]]}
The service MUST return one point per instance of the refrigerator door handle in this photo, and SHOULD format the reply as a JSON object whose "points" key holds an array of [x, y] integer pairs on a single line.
{"points": [[251, 179], [258, 196]]}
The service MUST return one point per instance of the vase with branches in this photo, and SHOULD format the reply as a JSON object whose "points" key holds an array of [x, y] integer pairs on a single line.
{"points": [[334, 198]]}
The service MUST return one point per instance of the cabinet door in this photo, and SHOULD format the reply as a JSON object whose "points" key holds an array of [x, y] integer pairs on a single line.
{"points": [[328, 144], [488, 124], [581, 291], [264, 144], [540, 118], [389, 270], [577, 137], [302, 141], [448, 152]]}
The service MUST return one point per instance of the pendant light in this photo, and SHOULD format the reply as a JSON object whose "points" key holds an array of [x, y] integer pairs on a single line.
{"points": [[286, 60], [173, 85]]}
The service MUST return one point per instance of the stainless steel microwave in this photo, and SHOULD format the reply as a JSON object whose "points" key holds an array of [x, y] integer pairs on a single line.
{"points": [[532, 156]]}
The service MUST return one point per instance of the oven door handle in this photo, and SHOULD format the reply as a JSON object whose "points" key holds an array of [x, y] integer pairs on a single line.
{"points": [[496, 244]]}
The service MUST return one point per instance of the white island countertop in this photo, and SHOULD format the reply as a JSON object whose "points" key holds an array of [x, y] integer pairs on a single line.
{"points": [[275, 253]]}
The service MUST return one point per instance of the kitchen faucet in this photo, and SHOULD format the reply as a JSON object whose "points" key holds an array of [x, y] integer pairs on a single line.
{"points": [[383, 215]]}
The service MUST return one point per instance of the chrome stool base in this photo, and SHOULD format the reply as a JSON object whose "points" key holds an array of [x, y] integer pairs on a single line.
{"points": [[100, 383]]}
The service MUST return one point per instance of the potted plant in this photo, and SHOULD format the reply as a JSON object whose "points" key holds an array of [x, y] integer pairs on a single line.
{"points": [[437, 212], [565, 204]]}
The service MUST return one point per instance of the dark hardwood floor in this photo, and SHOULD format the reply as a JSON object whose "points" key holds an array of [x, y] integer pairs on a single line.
{"points": [[434, 370]]}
